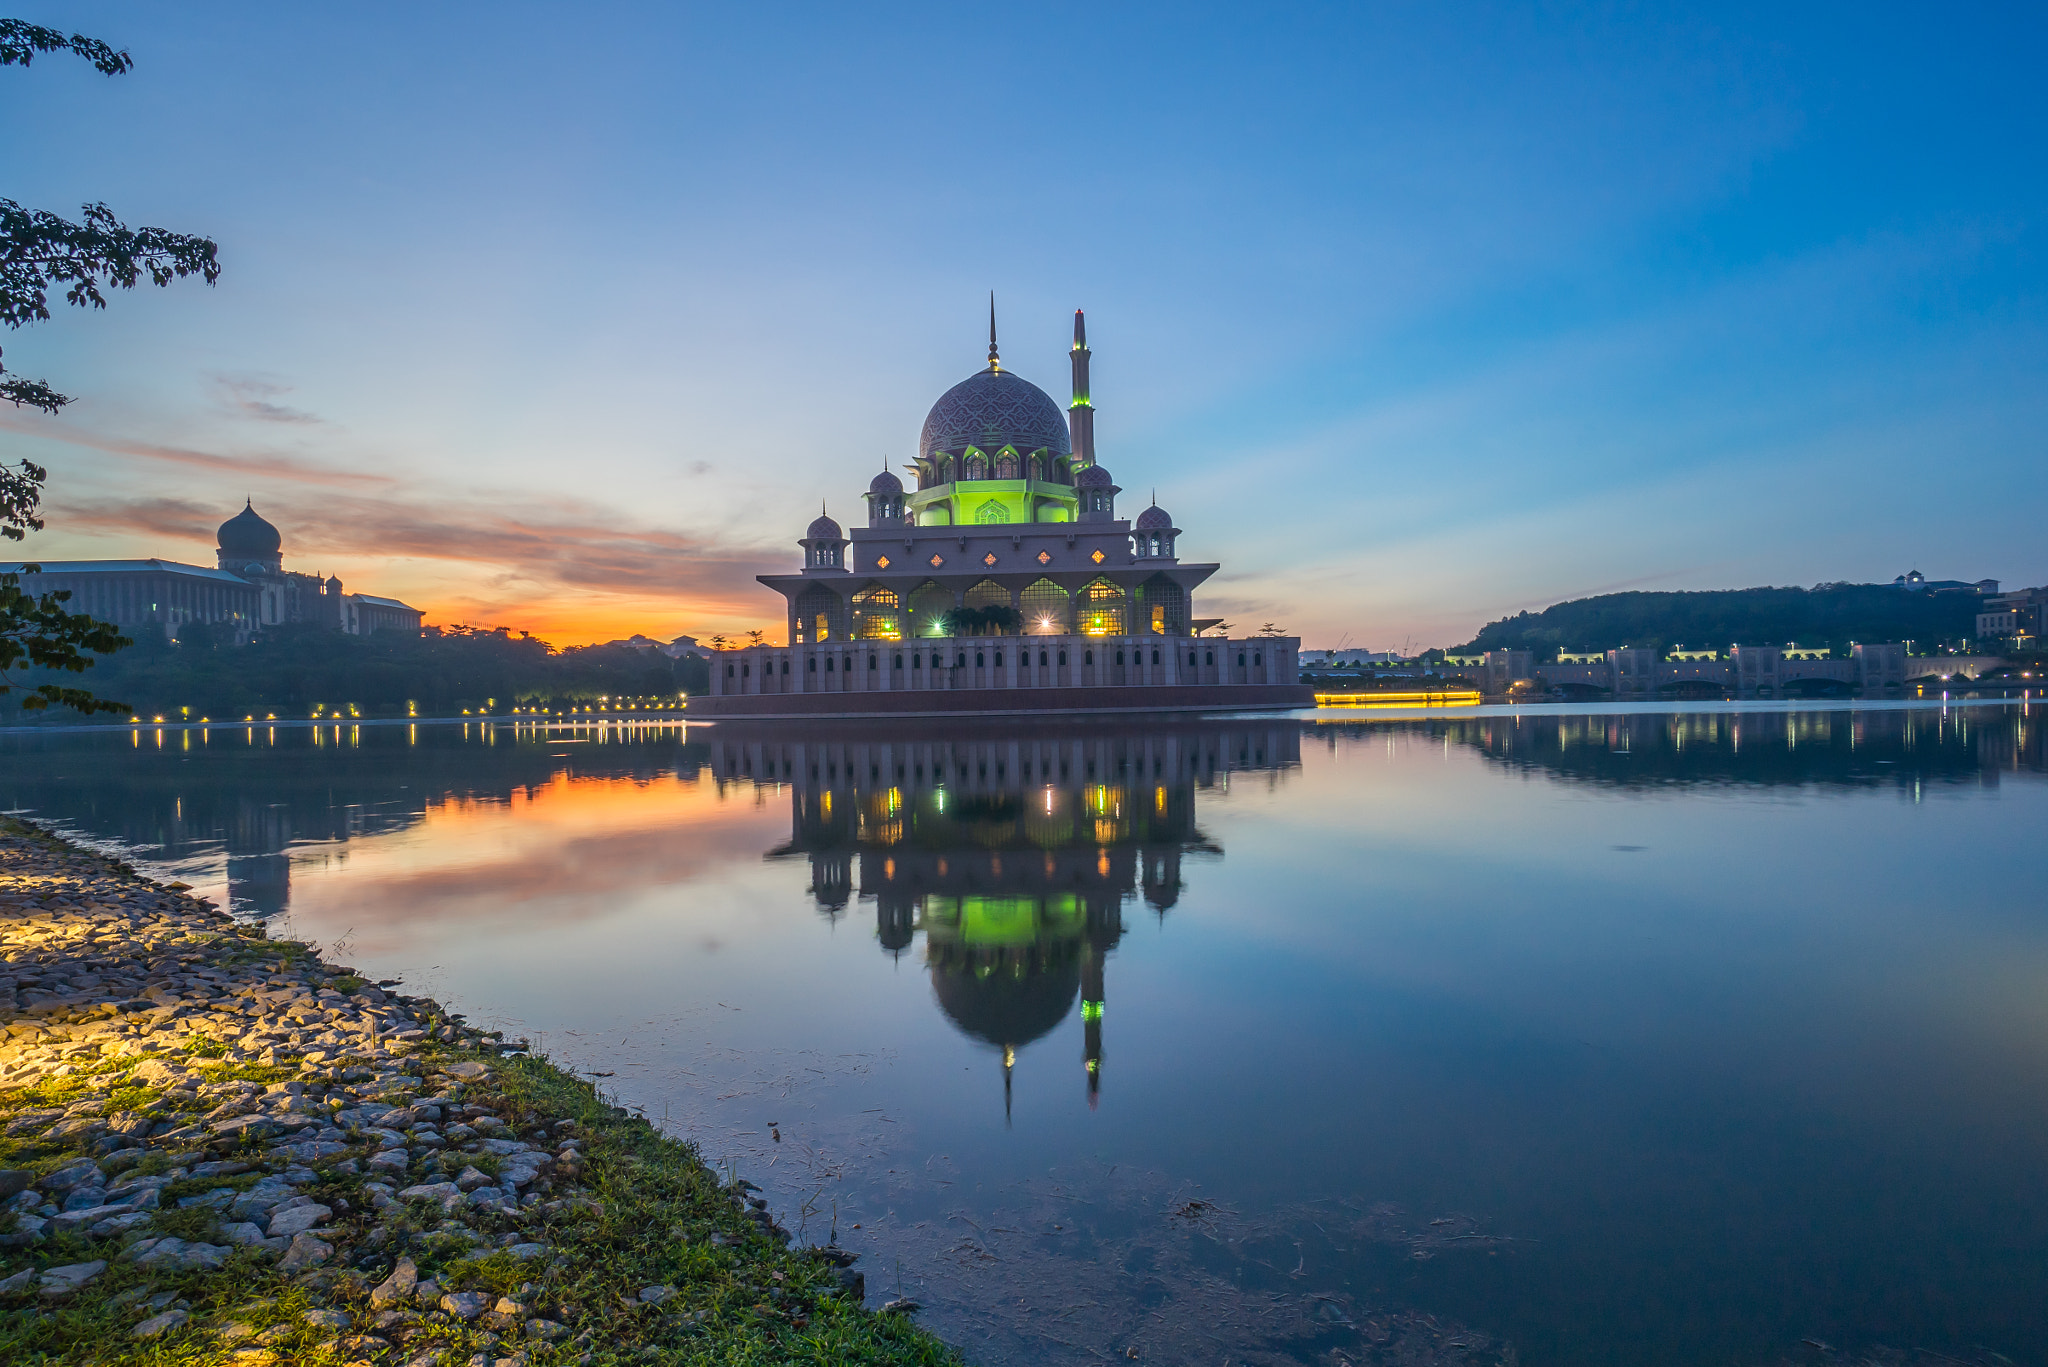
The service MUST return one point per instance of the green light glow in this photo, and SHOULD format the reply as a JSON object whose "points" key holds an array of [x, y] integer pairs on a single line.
{"points": [[1091, 1011]]}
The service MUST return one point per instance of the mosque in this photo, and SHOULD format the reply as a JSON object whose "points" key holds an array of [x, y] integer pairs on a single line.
{"points": [[248, 589], [1005, 581]]}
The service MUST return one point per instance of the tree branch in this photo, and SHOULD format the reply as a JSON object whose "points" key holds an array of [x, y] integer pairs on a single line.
{"points": [[20, 42]]}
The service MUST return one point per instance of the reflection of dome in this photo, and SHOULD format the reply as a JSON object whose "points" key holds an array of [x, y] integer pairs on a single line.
{"points": [[247, 534], [885, 483], [1155, 519], [824, 529], [1004, 1008], [992, 410], [1094, 477]]}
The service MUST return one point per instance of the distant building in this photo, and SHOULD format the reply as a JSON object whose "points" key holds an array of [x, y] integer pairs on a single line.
{"points": [[1915, 582], [1334, 659], [1743, 671], [2017, 617], [248, 589]]}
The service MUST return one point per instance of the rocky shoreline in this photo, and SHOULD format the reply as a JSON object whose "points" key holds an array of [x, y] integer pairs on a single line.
{"points": [[216, 1147]]}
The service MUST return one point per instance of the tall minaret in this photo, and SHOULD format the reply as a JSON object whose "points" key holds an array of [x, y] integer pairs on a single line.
{"points": [[1081, 413]]}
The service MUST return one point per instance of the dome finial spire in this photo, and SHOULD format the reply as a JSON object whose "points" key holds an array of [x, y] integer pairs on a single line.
{"points": [[994, 361]]}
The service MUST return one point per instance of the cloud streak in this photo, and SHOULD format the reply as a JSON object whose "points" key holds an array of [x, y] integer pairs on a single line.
{"points": [[267, 465]]}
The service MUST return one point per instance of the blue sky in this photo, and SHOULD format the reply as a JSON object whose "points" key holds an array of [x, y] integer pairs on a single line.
{"points": [[1414, 315]]}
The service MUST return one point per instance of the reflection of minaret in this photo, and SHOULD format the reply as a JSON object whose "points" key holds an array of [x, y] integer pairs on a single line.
{"points": [[1081, 413], [1091, 1020], [1009, 1066]]}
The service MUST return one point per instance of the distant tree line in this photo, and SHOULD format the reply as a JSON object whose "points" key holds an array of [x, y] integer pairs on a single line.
{"points": [[1832, 615], [289, 670]]}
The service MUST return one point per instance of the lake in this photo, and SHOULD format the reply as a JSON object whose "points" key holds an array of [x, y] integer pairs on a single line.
{"points": [[1609, 1036]]}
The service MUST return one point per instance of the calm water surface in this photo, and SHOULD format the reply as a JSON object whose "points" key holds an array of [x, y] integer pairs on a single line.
{"points": [[1605, 1037]]}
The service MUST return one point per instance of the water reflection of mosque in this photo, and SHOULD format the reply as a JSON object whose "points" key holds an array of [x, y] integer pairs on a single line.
{"points": [[1013, 855]]}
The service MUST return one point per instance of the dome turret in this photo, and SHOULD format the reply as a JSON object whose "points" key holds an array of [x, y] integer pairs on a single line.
{"points": [[885, 500], [885, 483], [246, 540], [824, 545], [1098, 494], [1094, 477], [823, 529], [990, 411], [1154, 519]]}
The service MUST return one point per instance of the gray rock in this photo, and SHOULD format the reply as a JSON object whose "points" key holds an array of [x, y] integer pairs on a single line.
{"points": [[305, 1251], [296, 1220], [446, 1194], [469, 1179], [85, 1198], [58, 1282], [14, 1181], [468, 1070], [397, 1287], [80, 1171], [243, 1233], [655, 1295], [219, 1199], [160, 1324], [17, 1283], [465, 1305], [327, 1319], [118, 1224], [523, 1252]]}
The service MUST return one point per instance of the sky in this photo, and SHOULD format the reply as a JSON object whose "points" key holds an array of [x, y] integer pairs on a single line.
{"points": [[567, 319]]}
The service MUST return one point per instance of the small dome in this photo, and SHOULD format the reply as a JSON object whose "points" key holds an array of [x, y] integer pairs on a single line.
{"points": [[334, 584], [1094, 477], [247, 534], [1155, 519], [885, 483], [992, 410], [824, 529]]}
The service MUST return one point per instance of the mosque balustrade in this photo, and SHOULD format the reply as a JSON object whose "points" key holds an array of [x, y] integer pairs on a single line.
{"points": [[941, 663]]}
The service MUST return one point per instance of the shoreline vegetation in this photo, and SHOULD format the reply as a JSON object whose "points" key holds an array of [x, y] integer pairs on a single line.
{"points": [[218, 1148]]}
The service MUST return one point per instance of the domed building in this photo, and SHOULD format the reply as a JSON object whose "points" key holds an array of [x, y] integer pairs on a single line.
{"points": [[247, 590], [1003, 581]]}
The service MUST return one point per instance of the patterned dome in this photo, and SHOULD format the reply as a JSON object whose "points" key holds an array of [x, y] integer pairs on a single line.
{"points": [[885, 483], [1094, 477], [1155, 519], [992, 410], [824, 529], [247, 534]]}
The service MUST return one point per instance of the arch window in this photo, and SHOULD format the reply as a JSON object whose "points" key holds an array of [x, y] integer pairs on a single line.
{"points": [[1101, 609], [820, 615], [1047, 608], [991, 512], [1006, 465], [929, 605], [877, 614], [1168, 607], [988, 594], [977, 466]]}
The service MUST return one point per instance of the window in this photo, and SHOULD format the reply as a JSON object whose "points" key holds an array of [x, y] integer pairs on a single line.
{"points": [[1101, 609], [1257, 659], [1097, 556], [1041, 659], [897, 663], [1208, 657], [928, 608], [977, 660], [987, 594], [814, 664], [881, 562], [937, 560], [745, 670], [1191, 657], [728, 671], [1240, 659], [961, 663], [1046, 607], [991, 512], [1063, 659], [1087, 657], [1119, 657], [873, 662], [1155, 657], [999, 659], [989, 559], [877, 615], [785, 666], [828, 664], [1006, 466]]}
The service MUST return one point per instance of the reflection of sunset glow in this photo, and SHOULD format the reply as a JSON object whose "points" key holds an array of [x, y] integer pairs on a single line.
{"points": [[569, 849]]}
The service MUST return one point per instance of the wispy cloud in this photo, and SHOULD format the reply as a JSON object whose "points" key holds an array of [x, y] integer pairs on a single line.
{"points": [[252, 396], [256, 466]]}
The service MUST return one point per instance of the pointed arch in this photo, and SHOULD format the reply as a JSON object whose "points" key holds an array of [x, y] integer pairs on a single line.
{"points": [[987, 594], [1101, 609], [991, 512], [929, 605], [820, 615], [1047, 608], [877, 614]]}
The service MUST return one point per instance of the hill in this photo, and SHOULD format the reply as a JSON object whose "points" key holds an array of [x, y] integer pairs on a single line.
{"points": [[1827, 614]]}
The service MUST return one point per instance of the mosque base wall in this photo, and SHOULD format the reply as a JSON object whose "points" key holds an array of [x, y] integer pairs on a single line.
{"points": [[1006, 702]]}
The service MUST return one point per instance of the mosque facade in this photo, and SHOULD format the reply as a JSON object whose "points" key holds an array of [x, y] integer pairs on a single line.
{"points": [[247, 589], [1004, 580]]}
